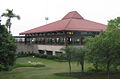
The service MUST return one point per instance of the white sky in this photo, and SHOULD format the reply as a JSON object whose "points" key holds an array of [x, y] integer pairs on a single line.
{"points": [[33, 12]]}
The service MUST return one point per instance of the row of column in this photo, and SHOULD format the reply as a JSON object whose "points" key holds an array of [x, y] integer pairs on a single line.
{"points": [[58, 40], [46, 52]]}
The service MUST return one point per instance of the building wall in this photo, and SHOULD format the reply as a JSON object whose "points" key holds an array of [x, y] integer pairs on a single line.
{"points": [[50, 47], [22, 47], [34, 48]]}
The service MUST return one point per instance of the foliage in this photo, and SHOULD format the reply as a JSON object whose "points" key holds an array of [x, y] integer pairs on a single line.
{"points": [[37, 64], [104, 49], [32, 64], [52, 57], [114, 23], [92, 51], [7, 48], [69, 51], [79, 56]]}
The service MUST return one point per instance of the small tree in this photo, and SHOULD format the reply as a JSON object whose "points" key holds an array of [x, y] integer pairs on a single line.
{"points": [[92, 54], [7, 48], [79, 56], [68, 55]]}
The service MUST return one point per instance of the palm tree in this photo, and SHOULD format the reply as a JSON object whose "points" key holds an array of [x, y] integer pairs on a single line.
{"points": [[9, 15]]}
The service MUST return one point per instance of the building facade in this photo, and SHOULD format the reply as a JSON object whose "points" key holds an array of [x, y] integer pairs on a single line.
{"points": [[50, 38]]}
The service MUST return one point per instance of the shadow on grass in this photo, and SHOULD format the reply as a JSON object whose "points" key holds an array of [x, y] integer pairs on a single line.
{"points": [[89, 75]]}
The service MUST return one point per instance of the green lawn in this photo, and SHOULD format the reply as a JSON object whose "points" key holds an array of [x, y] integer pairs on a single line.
{"points": [[47, 72], [52, 70]]}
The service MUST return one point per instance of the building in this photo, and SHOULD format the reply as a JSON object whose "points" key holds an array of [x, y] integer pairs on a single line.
{"points": [[50, 38]]}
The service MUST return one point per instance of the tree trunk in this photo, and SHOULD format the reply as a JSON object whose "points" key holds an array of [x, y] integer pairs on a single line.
{"points": [[96, 66], [108, 69], [108, 66], [9, 29], [69, 62], [9, 24], [82, 65]]}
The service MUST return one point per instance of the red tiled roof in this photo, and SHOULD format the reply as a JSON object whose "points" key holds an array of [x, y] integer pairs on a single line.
{"points": [[72, 21], [73, 15]]}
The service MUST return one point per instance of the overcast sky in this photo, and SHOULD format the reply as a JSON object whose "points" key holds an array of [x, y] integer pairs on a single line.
{"points": [[33, 12]]}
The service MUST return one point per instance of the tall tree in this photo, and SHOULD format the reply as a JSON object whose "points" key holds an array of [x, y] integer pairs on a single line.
{"points": [[7, 49], [9, 14], [104, 48]]}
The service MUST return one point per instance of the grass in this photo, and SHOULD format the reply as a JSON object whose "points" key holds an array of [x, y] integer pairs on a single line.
{"points": [[52, 70], [88, 75], [47, 72]]}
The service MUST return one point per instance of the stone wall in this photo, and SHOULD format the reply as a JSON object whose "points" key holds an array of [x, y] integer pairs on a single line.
{"points": [[22, 47], [34, 48]]}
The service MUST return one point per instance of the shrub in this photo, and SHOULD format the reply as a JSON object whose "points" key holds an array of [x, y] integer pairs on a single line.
{"points": [[2, 67], [37, 64], [92, 69], [23, 54], [43, 56]]}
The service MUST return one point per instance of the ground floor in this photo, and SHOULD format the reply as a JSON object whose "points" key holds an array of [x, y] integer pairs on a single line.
{"points": [[42, 49]]}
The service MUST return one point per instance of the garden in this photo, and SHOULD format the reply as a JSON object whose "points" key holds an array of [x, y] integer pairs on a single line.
{"points": [[50, 69]]}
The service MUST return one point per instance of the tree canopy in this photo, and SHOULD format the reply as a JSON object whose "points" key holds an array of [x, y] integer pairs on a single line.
{"points": [[105, 48], [7, 49], [114, 23]]}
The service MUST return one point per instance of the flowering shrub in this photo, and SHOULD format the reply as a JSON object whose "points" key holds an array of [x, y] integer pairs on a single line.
{"points": [[37, 64]]}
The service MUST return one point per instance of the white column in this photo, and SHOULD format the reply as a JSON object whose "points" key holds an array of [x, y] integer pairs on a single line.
{"points": [[53, 52], [45, 52]]}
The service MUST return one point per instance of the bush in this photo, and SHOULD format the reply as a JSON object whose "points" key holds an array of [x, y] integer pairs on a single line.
{"points": [[2, 67], [33, 64], [51, 57], [92, 69], [24, 54], [42, 56], [37, 64]]}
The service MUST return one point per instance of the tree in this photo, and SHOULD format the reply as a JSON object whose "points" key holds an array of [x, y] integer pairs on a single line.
{"points": [[68, 55], [92, 54], [114, 23], [79, 56], [7, 49], [9, 15], [104, 48]]}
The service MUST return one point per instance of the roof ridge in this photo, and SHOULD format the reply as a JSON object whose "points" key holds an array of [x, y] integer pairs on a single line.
{"points": [[73, 15], [68, 23]]}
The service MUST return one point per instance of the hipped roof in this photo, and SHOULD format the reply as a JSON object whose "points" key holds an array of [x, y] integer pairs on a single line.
{"points": [[72, 21]]}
